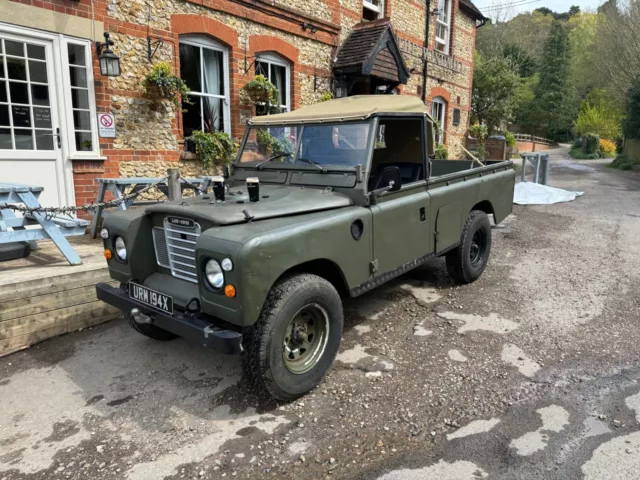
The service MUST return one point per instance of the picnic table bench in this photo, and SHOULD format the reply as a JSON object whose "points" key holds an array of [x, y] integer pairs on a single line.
{"points": [[118, 186], [54, 227]]}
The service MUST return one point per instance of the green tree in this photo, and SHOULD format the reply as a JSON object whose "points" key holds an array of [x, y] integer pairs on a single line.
{"points": [[555, 99], [574, 10], [495, 84], [599, 115], [583, 35], [631, 124], [524, 64]]}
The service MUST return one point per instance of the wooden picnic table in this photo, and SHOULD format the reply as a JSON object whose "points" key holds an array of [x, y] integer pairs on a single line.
{"points": [[118, 187], [55, 227]]}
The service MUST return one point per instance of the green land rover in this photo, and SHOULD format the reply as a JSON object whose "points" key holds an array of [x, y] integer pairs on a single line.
{"points": [[322, 203]]}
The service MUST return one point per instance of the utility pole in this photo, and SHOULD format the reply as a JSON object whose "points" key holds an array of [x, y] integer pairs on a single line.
{"points": [[426, 52]]}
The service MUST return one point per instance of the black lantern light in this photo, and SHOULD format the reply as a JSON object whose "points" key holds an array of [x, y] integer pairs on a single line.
{"points": [[109, 61]]}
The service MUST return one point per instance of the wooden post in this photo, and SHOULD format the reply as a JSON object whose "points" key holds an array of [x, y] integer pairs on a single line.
{"points": [[175, 192]]}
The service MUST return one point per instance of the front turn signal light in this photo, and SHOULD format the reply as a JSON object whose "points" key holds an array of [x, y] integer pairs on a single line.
{"points": [[230, 291], [108, 254]]}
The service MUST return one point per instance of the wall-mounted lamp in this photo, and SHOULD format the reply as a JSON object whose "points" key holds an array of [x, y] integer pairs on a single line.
{"points": [[109, 61], [152, 46], [307, 26]]}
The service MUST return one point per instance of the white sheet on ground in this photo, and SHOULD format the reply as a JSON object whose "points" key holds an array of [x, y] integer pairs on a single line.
{"points": [[529, 193]]}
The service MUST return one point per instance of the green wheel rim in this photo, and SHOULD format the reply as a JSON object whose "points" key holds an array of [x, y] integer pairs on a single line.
{"points": [[305, 339]]}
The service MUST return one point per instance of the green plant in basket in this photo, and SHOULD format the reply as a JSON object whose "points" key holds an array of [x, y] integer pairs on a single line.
{"points": [[161, 83]]}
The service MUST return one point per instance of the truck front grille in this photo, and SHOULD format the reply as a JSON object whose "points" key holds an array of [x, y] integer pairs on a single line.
{"points": [[176, 249]]}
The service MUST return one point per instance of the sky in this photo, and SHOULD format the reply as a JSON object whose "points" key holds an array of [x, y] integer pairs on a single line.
{"points": [[490, 6]]}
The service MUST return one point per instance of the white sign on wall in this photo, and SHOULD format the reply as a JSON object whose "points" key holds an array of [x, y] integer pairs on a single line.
{"points": [[106, 125]]}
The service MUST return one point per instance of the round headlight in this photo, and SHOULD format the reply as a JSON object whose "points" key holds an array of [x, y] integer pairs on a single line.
{"points": [[227, 264], [121, 248], [214, 274], [104, 233]]}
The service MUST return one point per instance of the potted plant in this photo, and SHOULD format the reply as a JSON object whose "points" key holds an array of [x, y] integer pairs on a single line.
{"points": [[213, 148], [260, 91], [161, 83]]}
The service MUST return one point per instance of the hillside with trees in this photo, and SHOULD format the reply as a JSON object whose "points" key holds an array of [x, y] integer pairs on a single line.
{"points": [[558, 74]]}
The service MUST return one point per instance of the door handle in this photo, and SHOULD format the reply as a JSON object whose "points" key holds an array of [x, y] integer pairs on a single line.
{"points": [[57, 134]]}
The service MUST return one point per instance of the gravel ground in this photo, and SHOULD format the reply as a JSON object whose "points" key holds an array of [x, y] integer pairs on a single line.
{"points": [[532, 372]]}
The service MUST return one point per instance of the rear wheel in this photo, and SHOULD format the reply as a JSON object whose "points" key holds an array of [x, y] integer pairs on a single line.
{"points": [[148, 329], [293, 344], [467, 262]]}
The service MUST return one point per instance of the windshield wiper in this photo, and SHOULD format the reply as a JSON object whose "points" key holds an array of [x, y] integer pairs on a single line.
{"points": [[275, 157], [311, 162]]}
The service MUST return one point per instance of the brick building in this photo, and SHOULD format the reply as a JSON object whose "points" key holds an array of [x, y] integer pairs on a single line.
{"points": [[51, 89]]}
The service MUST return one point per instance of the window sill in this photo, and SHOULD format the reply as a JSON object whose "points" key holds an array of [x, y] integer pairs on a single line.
{"points": [[87, 157]]}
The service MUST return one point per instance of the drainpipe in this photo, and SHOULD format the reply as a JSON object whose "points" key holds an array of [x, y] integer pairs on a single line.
{"points": [[426, 46]]}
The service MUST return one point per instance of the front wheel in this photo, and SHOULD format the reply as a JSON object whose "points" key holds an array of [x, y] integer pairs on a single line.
{"points": [[467, 262], [293, 344]]}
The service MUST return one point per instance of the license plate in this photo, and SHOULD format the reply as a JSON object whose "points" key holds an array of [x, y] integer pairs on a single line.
{"points": [[154, 299]]}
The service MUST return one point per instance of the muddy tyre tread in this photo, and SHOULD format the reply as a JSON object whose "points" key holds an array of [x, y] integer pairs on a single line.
{"points": [[457, 260], [257, 371]]}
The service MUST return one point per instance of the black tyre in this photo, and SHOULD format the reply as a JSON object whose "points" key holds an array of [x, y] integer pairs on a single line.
{"points": [[467, 262], [293, 344], [148, 329]]}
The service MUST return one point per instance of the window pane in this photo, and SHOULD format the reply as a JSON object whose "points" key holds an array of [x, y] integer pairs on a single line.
{"points": [[17, 69], [81, 120], [3, 91], [35, 51], [42, 117], [18, 92], [44, 140], [5, 139], [24, 139], [190, 66], [76, 55], [37, 72], [78, 76], [84, 142], [21, 116], [279, 79], [80, 98], [262, 69], [2, 67], [39, 95], [4, 115], [14, 48], [191, 119], [213, 72], [213, 111]]}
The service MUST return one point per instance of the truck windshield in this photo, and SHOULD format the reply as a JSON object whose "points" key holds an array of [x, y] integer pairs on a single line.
{"points": [[324, 145]]}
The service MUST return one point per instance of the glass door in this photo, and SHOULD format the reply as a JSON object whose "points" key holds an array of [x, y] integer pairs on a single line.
{"points": [[31, 145]]}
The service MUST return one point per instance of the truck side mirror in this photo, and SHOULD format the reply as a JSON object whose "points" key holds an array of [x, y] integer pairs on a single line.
{"points": [[391, 179]]}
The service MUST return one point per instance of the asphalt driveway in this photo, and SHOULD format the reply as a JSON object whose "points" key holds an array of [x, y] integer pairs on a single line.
{"points": [[532, 372]]}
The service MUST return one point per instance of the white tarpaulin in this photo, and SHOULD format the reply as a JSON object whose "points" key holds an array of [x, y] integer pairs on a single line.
{"points": [[529, 193]]}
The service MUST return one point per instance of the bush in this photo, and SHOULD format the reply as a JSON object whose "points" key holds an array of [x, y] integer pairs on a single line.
{"points": [[511, 139], [213, 148], [631, 124], [590, 143], [441, 152], [607, 148], [622, 162]]}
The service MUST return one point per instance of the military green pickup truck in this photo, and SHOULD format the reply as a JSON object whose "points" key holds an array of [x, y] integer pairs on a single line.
{"points": [[326, 202]]}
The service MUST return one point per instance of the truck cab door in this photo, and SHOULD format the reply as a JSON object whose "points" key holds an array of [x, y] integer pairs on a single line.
{"points": [[401, 219]]}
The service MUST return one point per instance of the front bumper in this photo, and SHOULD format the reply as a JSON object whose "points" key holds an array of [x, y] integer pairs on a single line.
{"points": [[193, 328]]}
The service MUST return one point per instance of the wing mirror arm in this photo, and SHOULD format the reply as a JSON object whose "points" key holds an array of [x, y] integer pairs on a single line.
{"points": [[392, 179], [380, 191]]}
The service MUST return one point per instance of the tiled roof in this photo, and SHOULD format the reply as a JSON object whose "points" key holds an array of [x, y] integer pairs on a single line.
{"points": [[472, 9], [360, 43]]}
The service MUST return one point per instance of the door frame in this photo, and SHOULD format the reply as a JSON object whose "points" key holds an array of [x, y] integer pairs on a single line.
{"points": [[55, 44]]}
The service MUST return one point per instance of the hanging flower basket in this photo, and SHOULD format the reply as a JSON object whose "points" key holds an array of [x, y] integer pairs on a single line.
{"points": [[160, 83], [260, 90]]}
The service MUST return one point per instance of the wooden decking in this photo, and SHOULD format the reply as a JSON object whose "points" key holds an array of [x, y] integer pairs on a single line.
{"points": [[42, 296]]}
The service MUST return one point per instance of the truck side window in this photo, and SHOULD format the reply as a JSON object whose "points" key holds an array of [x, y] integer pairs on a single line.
{"points": [[399, 143]]}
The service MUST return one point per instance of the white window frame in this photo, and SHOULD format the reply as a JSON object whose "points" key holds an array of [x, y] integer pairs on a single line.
{"points": [[378, 9], [444, 8], [74, 153], [273, 59], [202, 41], [440, 104]]}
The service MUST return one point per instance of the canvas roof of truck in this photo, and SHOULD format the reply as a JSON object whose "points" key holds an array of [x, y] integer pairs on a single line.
{"points": [[358, 107]]}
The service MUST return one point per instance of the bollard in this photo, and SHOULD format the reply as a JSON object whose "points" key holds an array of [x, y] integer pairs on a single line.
{"points": [[175, 191]]}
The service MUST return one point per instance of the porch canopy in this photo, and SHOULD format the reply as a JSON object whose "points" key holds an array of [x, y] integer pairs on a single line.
{"points": [[359, 107]]}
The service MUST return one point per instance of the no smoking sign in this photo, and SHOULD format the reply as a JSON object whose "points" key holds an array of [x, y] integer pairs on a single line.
{"points": [[106, 126]]}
